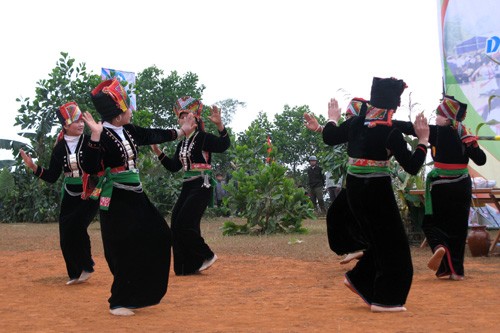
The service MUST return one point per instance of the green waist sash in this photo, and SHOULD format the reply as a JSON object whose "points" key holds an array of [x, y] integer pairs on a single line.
{"points": [[70, 181], [356, 169], [104, 188], [195, 173], [436, 172]]}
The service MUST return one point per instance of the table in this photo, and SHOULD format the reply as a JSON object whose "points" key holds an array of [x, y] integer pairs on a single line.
{"points": [[480, 197]]}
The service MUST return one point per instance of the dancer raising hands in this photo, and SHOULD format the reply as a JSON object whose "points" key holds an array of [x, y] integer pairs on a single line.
{"points": [[193, 156], [136, 237]]}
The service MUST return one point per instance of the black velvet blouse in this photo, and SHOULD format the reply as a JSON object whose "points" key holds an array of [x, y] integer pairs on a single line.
{"points": [[375, 143], [198, 148], [61, 161], [112, 152]]}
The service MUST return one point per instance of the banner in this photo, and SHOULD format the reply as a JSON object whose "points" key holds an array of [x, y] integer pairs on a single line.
{"points": [[122, 76], [470, 50]]}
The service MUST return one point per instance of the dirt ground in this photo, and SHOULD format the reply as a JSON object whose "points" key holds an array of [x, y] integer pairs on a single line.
{"points": [[280, 283]]}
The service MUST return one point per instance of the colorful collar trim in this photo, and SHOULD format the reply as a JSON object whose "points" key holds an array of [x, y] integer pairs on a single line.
{"points": [[376, 116]]}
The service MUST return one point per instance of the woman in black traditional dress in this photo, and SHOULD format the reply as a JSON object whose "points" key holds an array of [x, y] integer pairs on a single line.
{"points": [[76, 211], [136, 238], [345, 237], [383, 275], [449, 189], [194, 157]]}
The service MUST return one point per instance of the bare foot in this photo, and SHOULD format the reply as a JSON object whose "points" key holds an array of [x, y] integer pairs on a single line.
{"points": [[351, 288], [436, 258], [350, 257], [376, 308], [348, 284], [121, 312]]}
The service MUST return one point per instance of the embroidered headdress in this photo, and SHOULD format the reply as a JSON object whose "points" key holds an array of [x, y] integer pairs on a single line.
{"points": [[188, 104], [110, 99], [354, 107], [69, 113], [456, 111], [452, 109]]}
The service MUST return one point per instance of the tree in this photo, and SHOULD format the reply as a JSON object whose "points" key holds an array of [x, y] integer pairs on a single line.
{"points": [[263, 192], [6, 182], [35, 200], [67, 82], [254, 139], [293, 140], [157, 94], [221, 162], [270, 201], [9, 144], [229, 107]]}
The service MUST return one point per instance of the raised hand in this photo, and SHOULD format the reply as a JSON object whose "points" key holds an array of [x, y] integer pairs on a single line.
{"points": [[95, 127], [189, 124], [215, 117], [421, 129], [311, 122], [333, 110], [28, 160]]}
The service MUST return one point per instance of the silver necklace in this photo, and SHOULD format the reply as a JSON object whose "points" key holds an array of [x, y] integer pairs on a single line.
{"points": [[185, 152]]}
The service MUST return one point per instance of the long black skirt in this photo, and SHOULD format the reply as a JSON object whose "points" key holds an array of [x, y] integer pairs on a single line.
{"points": [[189, 247], [447, 226], [74, 218], [137, 242], [384, 274], [344, 233]]}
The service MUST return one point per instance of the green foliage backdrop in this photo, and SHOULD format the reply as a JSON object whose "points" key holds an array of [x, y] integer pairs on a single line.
{"points": [[27, 199]]}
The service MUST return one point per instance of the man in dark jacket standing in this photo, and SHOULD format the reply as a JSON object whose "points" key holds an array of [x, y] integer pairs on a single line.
{"points": [[316, 180]]}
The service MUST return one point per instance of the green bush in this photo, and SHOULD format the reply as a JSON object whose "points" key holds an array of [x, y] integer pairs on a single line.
{"points": [[270, 201], [30, 199], [161, 186]]}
